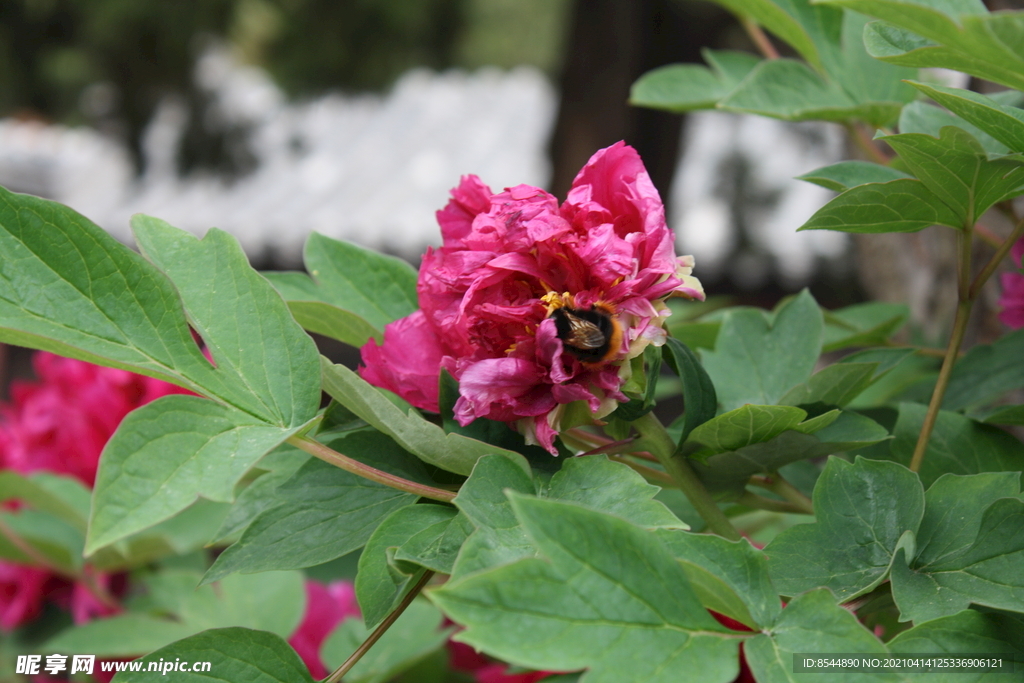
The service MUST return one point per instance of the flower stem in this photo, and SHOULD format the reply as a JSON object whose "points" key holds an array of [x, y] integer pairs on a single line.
{"points": [[996, 259], [354, 658], [966, 294], [866, 144], [661, 445], [778, 485], [346, 463], [759, 37]]}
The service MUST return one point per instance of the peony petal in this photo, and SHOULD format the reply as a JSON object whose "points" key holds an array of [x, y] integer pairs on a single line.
{"points": [[408, 363]]}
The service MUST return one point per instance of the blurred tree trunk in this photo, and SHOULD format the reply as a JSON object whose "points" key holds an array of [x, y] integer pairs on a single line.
{"points": [[611, 44]]}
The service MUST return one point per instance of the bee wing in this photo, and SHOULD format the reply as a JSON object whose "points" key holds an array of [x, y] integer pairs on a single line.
{"points": [[583, 334]]}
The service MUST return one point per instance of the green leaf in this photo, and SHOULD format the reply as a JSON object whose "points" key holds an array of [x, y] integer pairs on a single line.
{"points": [[791, 91], [865, 324], [165, 455], [698, 391], [452, 452], [760, 356], [648, 624], [381, 583], [846, 174], [125, 635], [896, 206], [746, 425], [729, 472], [921, 117], [59, 542], [233, 654], [1005, 124], [836, 385], [303, 295], [811, 623], [685, 87], [247, 328], [969, 631], [325, 513], [940, 580], [68, 287], [986, 372], [958, 445], [272, 602], [728, 577], [437, 546], [414, 636], [957, 170], [260, 495], [592, 481], [60, 496], [886, 358], [1005, 415], [851, 546], [376, 287], [972, 40]]}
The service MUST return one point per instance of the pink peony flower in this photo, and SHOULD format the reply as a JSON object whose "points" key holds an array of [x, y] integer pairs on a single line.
{"points": [[61, 422], [484, 669], [605, 258], [326, 607], [22, 590], [1012, 300]]}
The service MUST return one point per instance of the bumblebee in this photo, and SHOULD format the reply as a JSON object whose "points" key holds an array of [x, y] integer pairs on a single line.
{"points": [[593, 336]]}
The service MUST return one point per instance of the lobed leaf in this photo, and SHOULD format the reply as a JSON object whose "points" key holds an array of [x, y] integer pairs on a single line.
{"points": [[760, 356], [904, 205], [168, 453], [957, 170], [850, 548], [647, 626], [325, 512]]}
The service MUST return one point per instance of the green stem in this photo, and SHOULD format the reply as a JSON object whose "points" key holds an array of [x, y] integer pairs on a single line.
{"points": [[963, 314], [759, 37], [338, 673], [329, 455], [661, 445], [778, 485], [752, 500], [866, 144]]}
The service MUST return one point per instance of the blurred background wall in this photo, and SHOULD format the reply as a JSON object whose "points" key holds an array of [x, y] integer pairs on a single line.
{"points": [[272, 118]]}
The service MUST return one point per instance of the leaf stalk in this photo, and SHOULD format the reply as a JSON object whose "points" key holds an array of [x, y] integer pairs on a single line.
{"points": [[661, 445], [329, 455]]}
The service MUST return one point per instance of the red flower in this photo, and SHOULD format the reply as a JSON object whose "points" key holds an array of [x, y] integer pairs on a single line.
{"points": [[61, 422], [509, 261], [326, 607], [21, 594], [1012, 299]]}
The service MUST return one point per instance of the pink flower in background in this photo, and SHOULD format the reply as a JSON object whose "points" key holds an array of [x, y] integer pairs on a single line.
{"points": [[326, 607], [484, 669], [533, 306], [1012, 300], [61, 422], [22, 590]]}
